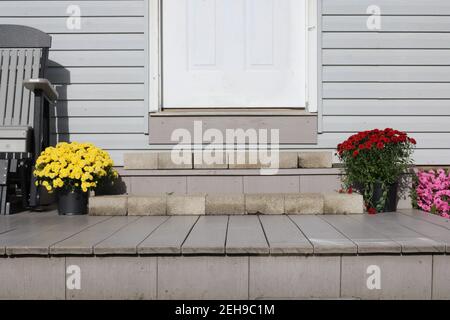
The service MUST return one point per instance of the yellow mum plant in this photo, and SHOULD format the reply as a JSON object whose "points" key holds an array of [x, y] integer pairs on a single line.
{"points": [[73, 166]]}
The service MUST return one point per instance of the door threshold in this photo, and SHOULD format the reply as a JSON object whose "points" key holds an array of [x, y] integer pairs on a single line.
{"points": [[233, 112]]}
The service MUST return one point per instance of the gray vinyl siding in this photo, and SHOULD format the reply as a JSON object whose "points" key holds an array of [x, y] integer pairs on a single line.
{"points": [[398, 76], [99, 70]]}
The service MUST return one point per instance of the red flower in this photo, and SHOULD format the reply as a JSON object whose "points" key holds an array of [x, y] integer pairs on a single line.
{"points": [[372, 210], [350, 190], [370, 139], [373, 138]]}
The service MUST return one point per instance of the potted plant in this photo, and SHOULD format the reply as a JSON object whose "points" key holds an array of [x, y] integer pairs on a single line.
{"points": [[373, 162], [431, 191], [72, 170]]}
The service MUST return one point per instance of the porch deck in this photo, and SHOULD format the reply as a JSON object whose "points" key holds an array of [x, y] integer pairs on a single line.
{"points": [[406, 232], [238, 257]]}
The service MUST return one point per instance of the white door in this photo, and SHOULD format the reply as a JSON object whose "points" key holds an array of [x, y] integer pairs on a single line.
{"points": [[234, 53]]}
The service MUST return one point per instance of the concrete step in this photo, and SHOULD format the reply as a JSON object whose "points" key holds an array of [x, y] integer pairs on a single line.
{"points": [[291, 125], [228, 160], [229, 204]]}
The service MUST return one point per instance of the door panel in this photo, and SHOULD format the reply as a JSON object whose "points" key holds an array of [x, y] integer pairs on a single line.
{"points": [[239, 53]]}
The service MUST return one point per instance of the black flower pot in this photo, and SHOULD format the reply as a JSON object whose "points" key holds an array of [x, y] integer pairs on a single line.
{"points": [[392, 196], [72, 203]]}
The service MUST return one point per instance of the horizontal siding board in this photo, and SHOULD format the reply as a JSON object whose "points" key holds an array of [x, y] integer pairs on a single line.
{"points": [[99, 108], [372, 40], [113, 141], [409, 123], [97, 59], [96, 75], [388, 23], [98, 41], [385, 107], [33, 8], [87, 24], [386, 73], [101, 92], [98, 125], [389, 7], [387, 90], [385, 57]]}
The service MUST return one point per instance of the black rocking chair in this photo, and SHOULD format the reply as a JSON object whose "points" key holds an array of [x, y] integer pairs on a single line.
{"points": [[25, 99]]}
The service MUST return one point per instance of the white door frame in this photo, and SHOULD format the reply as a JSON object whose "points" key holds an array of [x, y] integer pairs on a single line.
{"points": [[155, 98]]}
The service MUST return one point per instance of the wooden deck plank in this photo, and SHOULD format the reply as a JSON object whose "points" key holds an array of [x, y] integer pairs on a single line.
{"points": [[284, 237], [126, 240], [11, 222], [84, 242], [366, 238], [428, 217], [27, 228], [324, 238], [246, 236], [39, 244], [207, 237], [411, 242], [169, 237], [429, 230]]}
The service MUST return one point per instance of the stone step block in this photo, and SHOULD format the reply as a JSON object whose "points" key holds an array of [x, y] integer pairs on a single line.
{"points": [[288, 160], [153, 205], [264, 203], [141, 161], [169, 161], [315, 159], [186, 204], [228, 204], [166, 160], [343, 203], [303, 203], [108, 206], [210, 160]]}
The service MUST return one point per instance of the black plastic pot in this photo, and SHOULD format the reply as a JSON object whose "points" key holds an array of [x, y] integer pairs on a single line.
{"points": [[392, 196], [72, 203]]}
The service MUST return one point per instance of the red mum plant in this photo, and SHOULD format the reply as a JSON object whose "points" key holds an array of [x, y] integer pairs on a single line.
{"points": [[374, 161]]}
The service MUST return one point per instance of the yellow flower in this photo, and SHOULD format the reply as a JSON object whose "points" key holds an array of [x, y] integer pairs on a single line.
{"points": [[82, 163]]}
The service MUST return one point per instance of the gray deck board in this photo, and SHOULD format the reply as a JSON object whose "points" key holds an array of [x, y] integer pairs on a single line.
{"points": [[411, 241], [284, 237], [246, 236], [11, 222], [84, 242], [208, 236], [126, 240], [40, 243], [424, 216], [429, 230], [27, 228], [169, 237], [366, 238], [49, 234], [324, 238]]}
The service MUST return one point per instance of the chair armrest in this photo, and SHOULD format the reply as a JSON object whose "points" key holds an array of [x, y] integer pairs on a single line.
{"points": [[43, 85]]}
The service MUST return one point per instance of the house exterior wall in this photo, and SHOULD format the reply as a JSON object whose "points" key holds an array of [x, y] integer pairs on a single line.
{"points": [[398, 76]]}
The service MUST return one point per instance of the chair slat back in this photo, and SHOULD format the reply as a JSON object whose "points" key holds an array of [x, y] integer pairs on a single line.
{"points": [[23, 56], [16, 103]]}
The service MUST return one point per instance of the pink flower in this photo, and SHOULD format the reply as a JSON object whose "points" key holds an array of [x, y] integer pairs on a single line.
{"points": [[433, 191]]}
